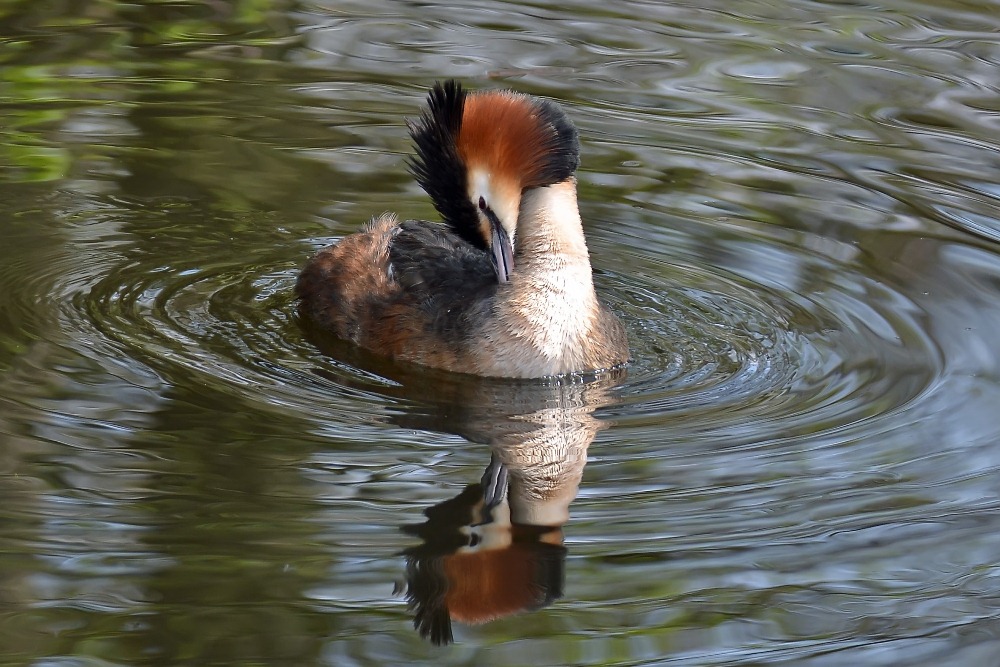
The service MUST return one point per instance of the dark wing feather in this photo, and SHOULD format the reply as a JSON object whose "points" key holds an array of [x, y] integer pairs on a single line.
{"points": [[442, 274]]}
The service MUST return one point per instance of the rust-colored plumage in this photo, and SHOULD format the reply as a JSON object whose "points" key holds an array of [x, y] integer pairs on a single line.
{"points": [[507, 135], [491, 583]]}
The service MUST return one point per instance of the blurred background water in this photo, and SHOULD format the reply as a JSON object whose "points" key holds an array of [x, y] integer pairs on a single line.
{"points": [[793, 206]]}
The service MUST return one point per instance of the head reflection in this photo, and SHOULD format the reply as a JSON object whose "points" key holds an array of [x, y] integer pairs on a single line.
{"points": [[474, 566], [496, 549]]}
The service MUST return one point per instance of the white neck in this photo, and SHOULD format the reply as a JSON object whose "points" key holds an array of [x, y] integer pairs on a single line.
{"points": [[549, 229]]}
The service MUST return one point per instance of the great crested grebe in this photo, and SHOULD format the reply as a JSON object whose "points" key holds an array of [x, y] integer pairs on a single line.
{"points": [[504, 288]]}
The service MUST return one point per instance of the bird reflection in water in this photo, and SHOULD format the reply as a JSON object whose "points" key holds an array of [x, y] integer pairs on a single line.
{"points": [[496, 549]]}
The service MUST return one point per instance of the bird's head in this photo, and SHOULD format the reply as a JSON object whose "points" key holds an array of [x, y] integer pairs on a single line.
{"points": [[478, 152]]}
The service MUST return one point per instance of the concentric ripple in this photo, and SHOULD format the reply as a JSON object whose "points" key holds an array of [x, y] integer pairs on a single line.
{"points": [[745, 338], [225, 325], [724, 351]]}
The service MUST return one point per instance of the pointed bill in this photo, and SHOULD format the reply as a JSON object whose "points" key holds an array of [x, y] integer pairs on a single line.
{"points": [[503, 250]]}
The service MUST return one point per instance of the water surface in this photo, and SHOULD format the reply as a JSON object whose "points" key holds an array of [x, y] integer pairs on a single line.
{"points": [[793, 206]]}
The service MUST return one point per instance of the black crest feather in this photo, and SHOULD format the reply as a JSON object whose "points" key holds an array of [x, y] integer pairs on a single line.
{"points": [[437, 166], [564, 151]]}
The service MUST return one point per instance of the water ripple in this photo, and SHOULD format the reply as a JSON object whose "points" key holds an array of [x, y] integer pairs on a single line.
{"points": [[737, 355]]}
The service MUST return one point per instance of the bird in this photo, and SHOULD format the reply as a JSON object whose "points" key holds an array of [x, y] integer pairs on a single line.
{"points": [[503, 286]]}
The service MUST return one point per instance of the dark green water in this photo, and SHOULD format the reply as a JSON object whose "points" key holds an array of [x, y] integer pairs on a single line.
{"points": [[795, 208]]}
